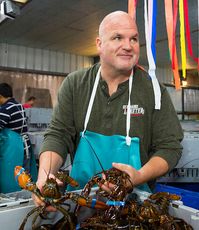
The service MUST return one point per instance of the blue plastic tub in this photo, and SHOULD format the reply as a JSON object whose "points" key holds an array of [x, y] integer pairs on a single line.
{"points": [[189, 198]]}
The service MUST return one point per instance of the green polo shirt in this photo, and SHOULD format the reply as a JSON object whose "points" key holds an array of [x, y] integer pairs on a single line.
{"points": [[159, 131]]}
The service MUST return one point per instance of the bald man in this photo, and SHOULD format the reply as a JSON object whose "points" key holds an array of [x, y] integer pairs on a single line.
{"points": [[105, 115]]}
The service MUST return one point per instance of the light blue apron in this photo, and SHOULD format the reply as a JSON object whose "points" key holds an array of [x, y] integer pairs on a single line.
{"points": [[11, 155], [109, 149]]}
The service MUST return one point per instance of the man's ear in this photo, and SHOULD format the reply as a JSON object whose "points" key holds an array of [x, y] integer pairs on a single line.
{"points": [[98, 43], [1, 99]]}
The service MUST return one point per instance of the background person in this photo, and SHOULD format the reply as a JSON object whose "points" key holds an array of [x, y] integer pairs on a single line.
{"points": [[30, 102], [15, 146], [92, 118]]}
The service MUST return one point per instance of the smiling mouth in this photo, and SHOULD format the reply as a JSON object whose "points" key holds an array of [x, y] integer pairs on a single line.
{"points": [[126, 56]]}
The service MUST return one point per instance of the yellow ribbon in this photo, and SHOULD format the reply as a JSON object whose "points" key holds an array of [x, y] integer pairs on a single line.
{"points": [[182, 38]]}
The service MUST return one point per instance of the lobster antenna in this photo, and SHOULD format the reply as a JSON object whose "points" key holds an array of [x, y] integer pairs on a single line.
{"points": [[94, 153], [66, 166], [50, 166], [45, 172]]}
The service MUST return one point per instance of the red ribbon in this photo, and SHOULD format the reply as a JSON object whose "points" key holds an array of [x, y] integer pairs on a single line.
{"points": [[175, 14], [172, 47], [188, 36], [132, 8]]}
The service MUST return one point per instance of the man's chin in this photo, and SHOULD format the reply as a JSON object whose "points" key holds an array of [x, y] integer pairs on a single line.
{"points": [[125, 68]]}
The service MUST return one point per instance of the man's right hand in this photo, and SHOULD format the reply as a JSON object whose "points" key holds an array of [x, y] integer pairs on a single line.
{"points": [[48, 162], [40, 183]]}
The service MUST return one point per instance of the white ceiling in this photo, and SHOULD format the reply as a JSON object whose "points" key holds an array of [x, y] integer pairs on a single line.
{"points": [[71, 26]]}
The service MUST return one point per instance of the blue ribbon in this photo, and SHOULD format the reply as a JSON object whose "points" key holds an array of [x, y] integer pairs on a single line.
{"points": [[153, 33]]}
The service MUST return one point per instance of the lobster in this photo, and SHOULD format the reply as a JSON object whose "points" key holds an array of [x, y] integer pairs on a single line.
{"points": [[114, 176], [110, 218], [52, 196], [162, 199], [153, 213]]}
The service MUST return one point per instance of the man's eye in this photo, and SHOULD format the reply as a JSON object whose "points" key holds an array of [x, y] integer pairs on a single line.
{"points": [[117, 38], [134, 39]]}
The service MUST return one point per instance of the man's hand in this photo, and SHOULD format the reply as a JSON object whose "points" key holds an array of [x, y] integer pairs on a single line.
{"points": [[129, 170], [40, 183], [48, 162]]}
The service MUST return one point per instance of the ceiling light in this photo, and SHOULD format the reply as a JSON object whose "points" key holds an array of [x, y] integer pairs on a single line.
{"points": [[184, 83], [20, 1]]}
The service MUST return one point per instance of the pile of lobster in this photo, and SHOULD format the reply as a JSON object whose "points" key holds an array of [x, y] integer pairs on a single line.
{"points": [[115, 209]]}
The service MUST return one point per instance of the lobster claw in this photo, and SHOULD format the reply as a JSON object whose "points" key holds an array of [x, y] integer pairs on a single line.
{"points": [[87, 202], [96, 204], [21, 177], [24, 179]]}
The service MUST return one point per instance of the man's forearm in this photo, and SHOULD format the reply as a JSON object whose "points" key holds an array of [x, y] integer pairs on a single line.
{"points": [[49, 162], [154, 168]]}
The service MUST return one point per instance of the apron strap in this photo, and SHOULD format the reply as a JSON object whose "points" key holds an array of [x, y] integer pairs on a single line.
{"points": [[128, 115], [25, 137], [91, 100]]}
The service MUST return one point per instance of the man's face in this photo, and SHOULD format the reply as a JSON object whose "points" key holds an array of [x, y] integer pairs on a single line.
{"points": [[1, 100], [118, 44]]}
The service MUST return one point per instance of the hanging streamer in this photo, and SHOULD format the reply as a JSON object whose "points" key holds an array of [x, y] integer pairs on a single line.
{"points": [[149, 26], [188, 35], [169, 25], [175, 14], [132, 8], [182, 38], [153, 35]]}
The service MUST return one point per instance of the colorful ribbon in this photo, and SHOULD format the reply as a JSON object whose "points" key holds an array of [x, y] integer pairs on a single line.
{"points": [[175, 14], [188, 36], [150, 41], [182, 39], [172, 47], [153, 35], [132, 8]]}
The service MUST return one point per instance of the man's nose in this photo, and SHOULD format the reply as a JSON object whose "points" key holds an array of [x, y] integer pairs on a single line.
{"points": [[127, 44]]}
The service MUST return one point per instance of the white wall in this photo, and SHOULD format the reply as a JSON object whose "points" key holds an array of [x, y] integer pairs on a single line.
{"points": [[42, 60]]}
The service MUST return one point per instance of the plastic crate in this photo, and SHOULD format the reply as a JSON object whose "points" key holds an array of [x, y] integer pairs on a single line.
{"points": [[189, 198], [177, 209], [193, 187], [15, 207]]}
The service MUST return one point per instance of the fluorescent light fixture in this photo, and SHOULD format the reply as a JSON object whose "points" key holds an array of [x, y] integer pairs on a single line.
{"points": [[20, 1], [184, 83]]}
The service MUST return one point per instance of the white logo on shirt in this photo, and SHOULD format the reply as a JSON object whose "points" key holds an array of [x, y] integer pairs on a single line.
{"points": [[135, 110]]}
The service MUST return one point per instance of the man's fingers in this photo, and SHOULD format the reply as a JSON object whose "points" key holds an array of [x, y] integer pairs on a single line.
{"points": [[37, 201], [128, 169], [121, 167], [51, 209]]}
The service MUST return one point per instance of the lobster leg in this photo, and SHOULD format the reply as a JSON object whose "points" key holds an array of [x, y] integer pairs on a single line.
{"points": [[67, 217], [27, 216], [40, 211]]}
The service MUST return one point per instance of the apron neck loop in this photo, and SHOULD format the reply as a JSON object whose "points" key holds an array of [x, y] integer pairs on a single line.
{"points": [[128, 115], [88, 113], [90, 105]]}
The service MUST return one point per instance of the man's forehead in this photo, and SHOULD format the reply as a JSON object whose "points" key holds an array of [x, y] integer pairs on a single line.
{"points": [[123, 25], [116, 21], [121, 30]]}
